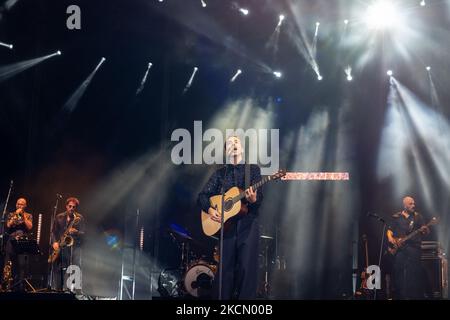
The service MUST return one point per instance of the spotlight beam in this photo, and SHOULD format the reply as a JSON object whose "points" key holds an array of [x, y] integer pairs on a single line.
{"points": [[9, 71], [6, 45], [314, 44], [238, 72], [144, 79], [72, 102], [191, 79]]}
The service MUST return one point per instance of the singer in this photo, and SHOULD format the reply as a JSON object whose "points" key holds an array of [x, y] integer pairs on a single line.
{"points": [[241, 235]]}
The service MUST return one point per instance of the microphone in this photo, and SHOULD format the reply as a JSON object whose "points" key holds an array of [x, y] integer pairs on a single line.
{"points": [[374, 215]]}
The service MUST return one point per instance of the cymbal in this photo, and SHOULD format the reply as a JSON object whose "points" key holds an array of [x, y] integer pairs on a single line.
{"points": [[266, 237], [179, 231]]}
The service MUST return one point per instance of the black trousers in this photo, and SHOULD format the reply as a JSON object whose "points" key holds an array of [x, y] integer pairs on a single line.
{"points": [[68, 256], [240, 259], [18, 266]]}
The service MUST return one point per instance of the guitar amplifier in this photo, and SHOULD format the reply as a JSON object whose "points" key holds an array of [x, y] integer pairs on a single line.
{"points": [[431, 249], [435, 268]]}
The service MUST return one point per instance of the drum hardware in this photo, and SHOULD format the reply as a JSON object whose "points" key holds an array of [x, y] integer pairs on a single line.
{"points": [[266, 287], [195, 274]]}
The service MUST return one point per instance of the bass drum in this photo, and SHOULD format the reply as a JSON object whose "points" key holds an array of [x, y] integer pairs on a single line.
{"points": [[198, 280]]}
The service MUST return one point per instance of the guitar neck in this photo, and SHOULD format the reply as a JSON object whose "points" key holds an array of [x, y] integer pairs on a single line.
{"points": [[254, 186], [413, 234]]}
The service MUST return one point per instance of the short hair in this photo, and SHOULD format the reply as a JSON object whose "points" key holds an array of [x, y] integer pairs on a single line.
{"points": [[73, 199]]}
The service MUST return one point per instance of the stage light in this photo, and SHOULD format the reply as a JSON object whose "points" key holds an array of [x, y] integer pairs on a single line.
{"points": [[422, 3], [348, 72], [74, 99], [345, 21], [238, 72], [319, 77], [203, 3], [141, 239], [6, 45], [11, 70], [382, 15], [191, 79], [428, 68], [389, 73], [58, 53], [39, 227], [277, 74], [144, 79], [280, 21], [317, 24], [244, 11]]}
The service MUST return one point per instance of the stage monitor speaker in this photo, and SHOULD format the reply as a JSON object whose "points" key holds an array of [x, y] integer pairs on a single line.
{"points": [[436, 277]]}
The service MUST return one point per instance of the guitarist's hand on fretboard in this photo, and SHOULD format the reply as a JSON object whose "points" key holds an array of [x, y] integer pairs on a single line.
{"points": [[251, 195], [424, 230]]}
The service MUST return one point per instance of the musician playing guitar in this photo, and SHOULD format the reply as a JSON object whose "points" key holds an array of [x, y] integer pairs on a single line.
{"points": [[408, 274], [241, 232]]}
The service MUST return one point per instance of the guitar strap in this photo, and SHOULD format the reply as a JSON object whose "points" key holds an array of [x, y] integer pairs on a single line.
{"points": [[247, 175]]}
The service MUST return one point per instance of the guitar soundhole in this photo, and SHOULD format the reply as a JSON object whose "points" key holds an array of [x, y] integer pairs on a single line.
{"points": [[228, 205]]}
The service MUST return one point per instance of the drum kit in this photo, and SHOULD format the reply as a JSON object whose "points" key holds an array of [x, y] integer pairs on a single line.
{"points": [[194, 277]]}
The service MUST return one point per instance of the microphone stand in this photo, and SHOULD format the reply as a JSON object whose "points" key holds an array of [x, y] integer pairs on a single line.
{"points": [[2, 222], [222, 215], [381, 246], [50, 275]]}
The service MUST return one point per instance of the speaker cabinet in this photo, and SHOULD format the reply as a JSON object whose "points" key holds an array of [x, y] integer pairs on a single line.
{"points": [[436, 277]]}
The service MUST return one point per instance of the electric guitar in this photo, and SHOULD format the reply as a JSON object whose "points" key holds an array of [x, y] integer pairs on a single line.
{"points": [[392, 249], [364, 274], [232, 204]]}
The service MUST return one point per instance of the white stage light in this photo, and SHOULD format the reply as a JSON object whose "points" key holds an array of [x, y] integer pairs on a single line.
{"points": [[277, 74], [349, 78], [319, 77], [345, 21], [203, 3], [58, 53], [238, 72], [422, 3], [428, 68], [244, 11], [389, 73], [382, 15], [6, 45]]}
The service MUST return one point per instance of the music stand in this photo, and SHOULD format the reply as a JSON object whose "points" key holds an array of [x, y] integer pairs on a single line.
{"points": [[25, 247]]}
